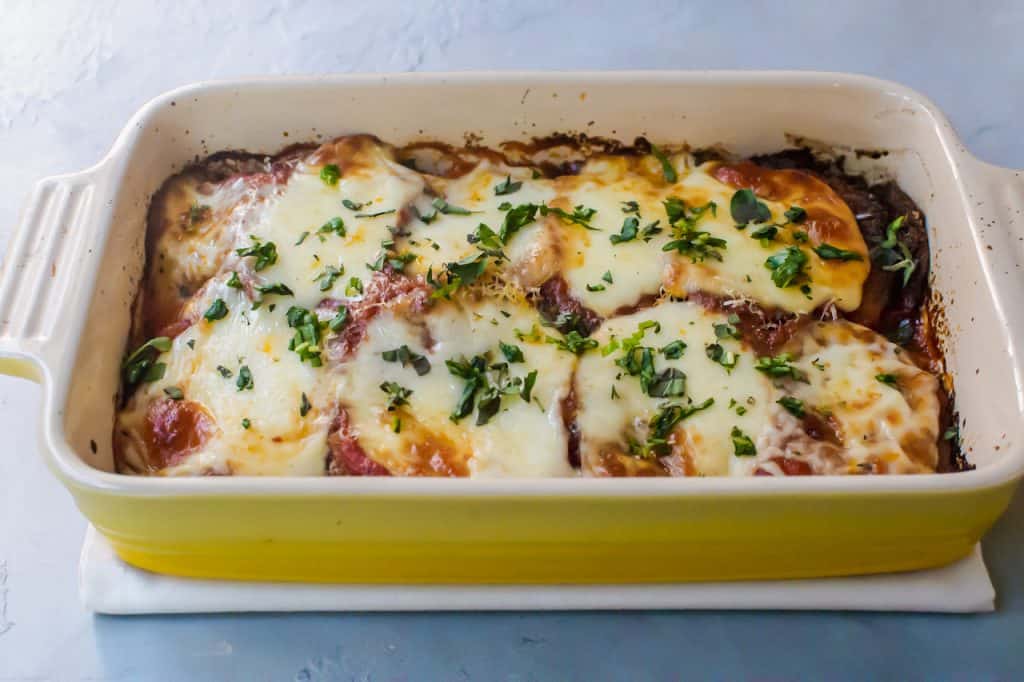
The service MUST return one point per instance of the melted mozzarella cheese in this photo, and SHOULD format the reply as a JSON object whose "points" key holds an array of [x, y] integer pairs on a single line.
{"points": [[521, 440], [307, 203], [605, 185], [883, 427], [530, 251], [702, 443], [742, 272], [279, 440]]}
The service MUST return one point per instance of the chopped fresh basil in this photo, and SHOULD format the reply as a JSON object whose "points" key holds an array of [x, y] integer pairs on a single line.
{"points": [[376, 214], [328, 276], [630, 207], [829, 252], [339, 320], [766, 233], [352, 205], [397, 395], [746, 208], [244, 381], [224, 371], [217, 310], [246, 423], [354, 287], [304, 406], [893, 254], [674, 350], [516, 219], [667, 170], [628, 232], [407, 357], [741, 444], [234, 282], [574, 343], [507, 187], [726, 330], [607, 277], [528, 384], [596, 287], [265, 253], [780, 367], [661, 426], [306, 341], [795, 214], [580, 215], [302, 238], [140, 365], [449, 209], [277, 289], [335, 225], [512, 353], [787, 266], [174, 393], [800, 236], [330, 174], [726, 358], [669, 383], [888, 379], [794, 406]]}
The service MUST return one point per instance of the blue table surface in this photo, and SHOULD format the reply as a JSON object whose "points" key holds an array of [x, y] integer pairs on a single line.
{"points": [[72, 73]]}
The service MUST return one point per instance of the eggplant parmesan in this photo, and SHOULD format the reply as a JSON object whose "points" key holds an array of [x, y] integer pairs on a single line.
{"points": [[566, 308]]}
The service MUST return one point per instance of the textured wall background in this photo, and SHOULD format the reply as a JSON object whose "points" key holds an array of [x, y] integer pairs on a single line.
{"points": [[71, 73]]}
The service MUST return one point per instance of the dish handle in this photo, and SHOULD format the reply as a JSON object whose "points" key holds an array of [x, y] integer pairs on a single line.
{"points": [[46, 277]]}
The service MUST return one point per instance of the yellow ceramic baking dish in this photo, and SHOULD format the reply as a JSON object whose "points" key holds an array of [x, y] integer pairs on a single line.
{"points": [[73, 267]]}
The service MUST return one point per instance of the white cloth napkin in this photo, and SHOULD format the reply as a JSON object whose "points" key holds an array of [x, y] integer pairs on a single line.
{"points": [[108, 585]]}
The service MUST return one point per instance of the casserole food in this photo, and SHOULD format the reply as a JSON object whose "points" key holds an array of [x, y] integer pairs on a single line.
{"points": [[69, 280], [614, 312]]}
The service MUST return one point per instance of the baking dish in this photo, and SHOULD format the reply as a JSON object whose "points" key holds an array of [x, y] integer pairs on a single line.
{"points": [[74, 264]]}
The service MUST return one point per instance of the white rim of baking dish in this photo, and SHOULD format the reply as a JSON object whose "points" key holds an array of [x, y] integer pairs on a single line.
{"points": [[51, 368]]}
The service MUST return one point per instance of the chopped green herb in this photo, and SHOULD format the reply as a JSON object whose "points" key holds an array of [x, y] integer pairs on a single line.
{"points": [[191, 343], [449, 209], [407, 357], [674, 350], [766, 233], [328, 276], [574, 343], [397, 395], [800, 236], [224, 371], [304, 406], [302, 238], [234, 282], [580, 215], [661, 426], [741, 444], [650, 229], [140, 365], [888, 379], [667, 170], [669, 383], [607, 277], [198, 213], [687, 239], [726, 358], [516, 219], [246, 423], [375, 214], [628, 232], [511, 353], [339, 320], [795, 214], [174, 393], [528, 384], [726, 330], [335, 225], [306, 341], [780, 366], [746, 208], [352, 205], [217, 310], [244, 380], [794, 406], [265, 253], [277, 289], [630, 207], [596, 287], [952, 434], [893, 254], [829, 252], [787, 266], [354, 287], [330, 174], [507, 187]]}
